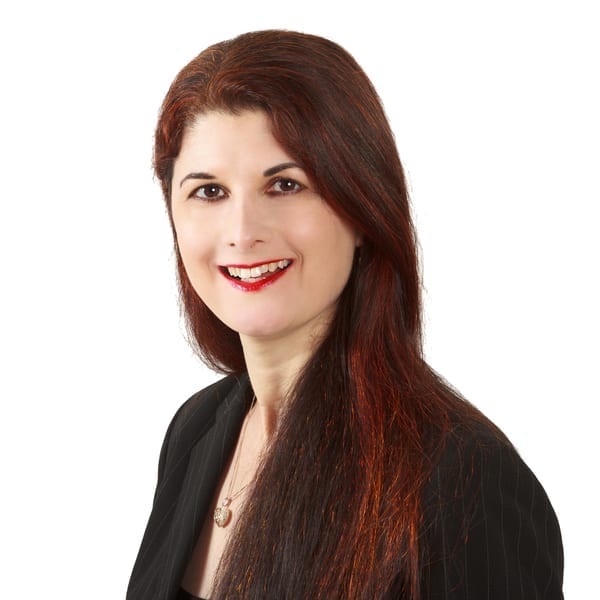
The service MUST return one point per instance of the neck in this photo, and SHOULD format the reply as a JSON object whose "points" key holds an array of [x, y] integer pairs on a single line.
{"points": [[273, 368]]}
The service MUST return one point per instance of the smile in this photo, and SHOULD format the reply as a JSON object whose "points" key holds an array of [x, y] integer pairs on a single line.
{"points": [[257, 276]]}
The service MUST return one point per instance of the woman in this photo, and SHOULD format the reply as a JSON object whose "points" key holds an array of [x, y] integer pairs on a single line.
{"points": [[331, 462]]}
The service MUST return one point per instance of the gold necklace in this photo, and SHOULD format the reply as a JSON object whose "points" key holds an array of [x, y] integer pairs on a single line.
{"points": [[222, 514]]}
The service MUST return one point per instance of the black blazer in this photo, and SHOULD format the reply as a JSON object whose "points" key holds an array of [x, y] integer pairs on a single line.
{"points": [[492, 533]]}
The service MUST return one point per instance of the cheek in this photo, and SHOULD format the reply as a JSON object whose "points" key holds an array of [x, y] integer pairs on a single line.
{"points": [[332, 246], [195, 253], [191, 239], [337, 241]]}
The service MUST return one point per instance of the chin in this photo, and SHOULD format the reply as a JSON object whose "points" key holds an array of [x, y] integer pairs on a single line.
{"points": [[262, 333], [258, 327]]}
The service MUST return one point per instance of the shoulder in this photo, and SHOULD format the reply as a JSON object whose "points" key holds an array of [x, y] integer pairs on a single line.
{"points": [[472, 448], [477, 459], [491, 528], [202, 407], [198, 414]]}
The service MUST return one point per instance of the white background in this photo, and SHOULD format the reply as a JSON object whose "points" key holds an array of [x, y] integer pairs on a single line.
{"points": [[495, 110]]}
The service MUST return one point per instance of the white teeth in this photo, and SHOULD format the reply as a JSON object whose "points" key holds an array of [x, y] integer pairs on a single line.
{"points": [[245, 273]]}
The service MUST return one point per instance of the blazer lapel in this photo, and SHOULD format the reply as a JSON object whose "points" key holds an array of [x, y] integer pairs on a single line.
{"points": [[208, 458], [202, 436]]}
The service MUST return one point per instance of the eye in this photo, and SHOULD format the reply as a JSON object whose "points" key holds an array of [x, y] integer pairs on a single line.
{"points": [[285, 186], [209, 191]]}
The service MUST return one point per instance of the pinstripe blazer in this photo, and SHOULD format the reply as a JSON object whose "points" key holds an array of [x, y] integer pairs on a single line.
{"points": [[491, 534]]}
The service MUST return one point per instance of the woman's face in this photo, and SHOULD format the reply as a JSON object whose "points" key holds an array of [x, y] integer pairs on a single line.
{"points": [[261, 248]]}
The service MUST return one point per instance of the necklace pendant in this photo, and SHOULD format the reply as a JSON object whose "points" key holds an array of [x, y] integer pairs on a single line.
{"points": [[222, 515]]}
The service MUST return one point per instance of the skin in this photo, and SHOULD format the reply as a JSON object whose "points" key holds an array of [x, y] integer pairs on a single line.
{"points": [[242, 216], [239, 199]]}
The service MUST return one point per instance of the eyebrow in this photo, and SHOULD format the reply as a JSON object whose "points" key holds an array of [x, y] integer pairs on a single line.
{"points": [[281, 167], [196, 176], [270, 171]]}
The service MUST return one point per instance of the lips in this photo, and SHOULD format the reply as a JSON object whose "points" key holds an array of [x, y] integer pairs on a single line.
{"points": [[255, 276]]}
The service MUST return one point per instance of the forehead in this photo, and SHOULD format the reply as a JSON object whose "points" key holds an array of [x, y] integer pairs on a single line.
{"points": [[217, 139]]}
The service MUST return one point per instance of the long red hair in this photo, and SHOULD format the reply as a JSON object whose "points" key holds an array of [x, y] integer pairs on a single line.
{"points": [[336, 510]]}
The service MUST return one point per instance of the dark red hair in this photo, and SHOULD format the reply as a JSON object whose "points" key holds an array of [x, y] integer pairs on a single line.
{"points": [[342, 486]]}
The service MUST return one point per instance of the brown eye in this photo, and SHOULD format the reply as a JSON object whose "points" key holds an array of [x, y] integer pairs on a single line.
{"points": [[210, 191], [286, 186]]}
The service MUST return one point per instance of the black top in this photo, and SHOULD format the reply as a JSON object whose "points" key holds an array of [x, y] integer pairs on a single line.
{"points": [[509, 547], [183, 595]]}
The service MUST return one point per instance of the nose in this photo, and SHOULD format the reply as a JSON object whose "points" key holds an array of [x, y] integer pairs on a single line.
{"points": [[247, 223]]}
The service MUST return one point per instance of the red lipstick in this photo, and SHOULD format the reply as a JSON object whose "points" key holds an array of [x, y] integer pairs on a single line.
{"points": [[244, 281]]}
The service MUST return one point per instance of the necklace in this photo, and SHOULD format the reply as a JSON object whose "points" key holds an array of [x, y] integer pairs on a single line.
{"points": [[222, 514]]}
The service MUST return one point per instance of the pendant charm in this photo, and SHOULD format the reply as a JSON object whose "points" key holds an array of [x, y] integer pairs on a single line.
{"points": [[222, 513], [222, 516]]}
